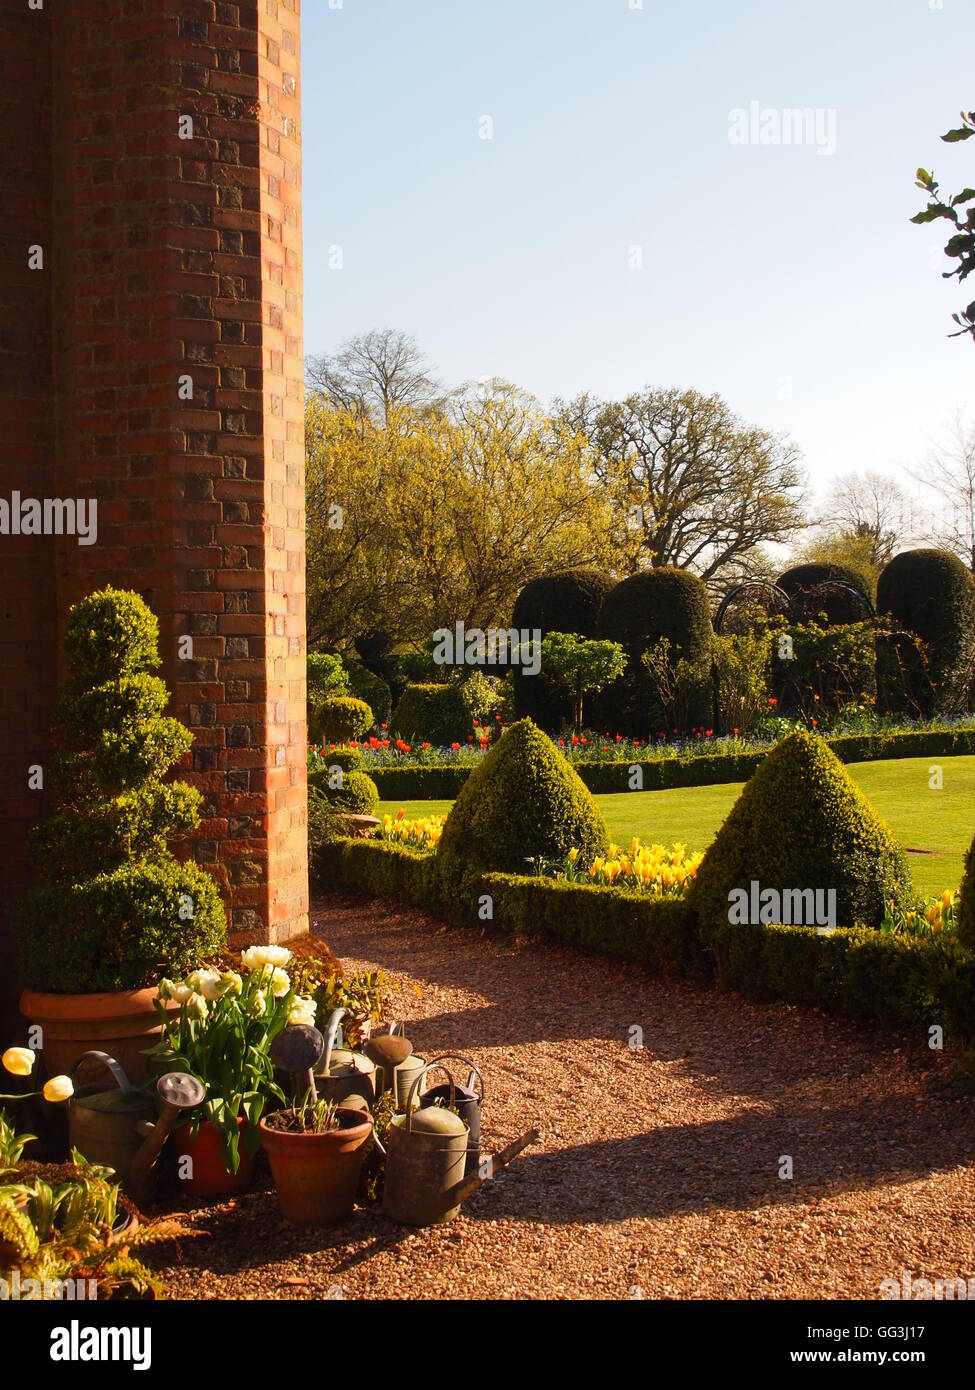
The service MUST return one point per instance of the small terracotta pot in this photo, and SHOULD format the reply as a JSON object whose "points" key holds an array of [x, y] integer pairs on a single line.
{"points": [[124, 1025], [317, 1175], [209, 1177]]}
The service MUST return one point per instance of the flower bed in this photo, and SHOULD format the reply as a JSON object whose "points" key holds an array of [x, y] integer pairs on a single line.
{"points": [[718, 760]]}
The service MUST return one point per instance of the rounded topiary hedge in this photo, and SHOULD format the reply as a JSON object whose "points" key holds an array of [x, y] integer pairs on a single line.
{"points": [[358, 793], [931, 594], [523, 802], [347, 759], [432, 713], [668, 603], [801, 578], [568, 601], [339, 719], [802, 823]]}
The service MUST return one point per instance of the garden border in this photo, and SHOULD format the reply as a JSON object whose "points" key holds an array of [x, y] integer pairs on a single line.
{"points": [[700, 770], [898, 981]]}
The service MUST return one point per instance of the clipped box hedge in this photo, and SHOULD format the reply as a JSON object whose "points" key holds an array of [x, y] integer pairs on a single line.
{"points": [[897, 981], [701, 770]]}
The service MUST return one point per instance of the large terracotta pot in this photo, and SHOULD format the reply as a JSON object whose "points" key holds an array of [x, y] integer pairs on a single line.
{"points": [[209, 1177], [317, 1175], [122, 1024]]}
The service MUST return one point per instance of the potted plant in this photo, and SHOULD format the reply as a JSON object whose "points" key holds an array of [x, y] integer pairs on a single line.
{"points": [[316, 1151], [221, 1032], [113, 910]]}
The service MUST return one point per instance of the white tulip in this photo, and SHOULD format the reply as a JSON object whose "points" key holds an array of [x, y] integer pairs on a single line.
{"points": [[303, 1010], [280, 983], [256, 957]]}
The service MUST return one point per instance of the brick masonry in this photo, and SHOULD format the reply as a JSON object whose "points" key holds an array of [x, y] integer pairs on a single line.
{"points": [[169, 259]]}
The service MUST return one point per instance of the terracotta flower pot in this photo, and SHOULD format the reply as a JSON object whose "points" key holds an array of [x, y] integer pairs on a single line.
{"points": [[124, 1025], [317, 1175], [208, 1177]]}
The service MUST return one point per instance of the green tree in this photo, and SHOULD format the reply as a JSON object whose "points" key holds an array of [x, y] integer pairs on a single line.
{"points": [[581, 665], [960, 245], [691, 485]]}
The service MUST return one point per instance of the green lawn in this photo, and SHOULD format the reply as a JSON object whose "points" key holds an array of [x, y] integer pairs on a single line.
{"points": [[935, 827]]}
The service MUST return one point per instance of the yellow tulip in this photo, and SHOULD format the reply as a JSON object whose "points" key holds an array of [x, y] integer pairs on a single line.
{"points": [[19, 1061], [58, 1088]]}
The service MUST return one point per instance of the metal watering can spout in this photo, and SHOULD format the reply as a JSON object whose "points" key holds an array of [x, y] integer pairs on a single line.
{"points": [[179, 1092]]}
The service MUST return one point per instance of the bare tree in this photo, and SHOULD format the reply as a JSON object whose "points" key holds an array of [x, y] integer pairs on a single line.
{"points": [[870, 508], [692, 484], [375, 373], [950, 472]]}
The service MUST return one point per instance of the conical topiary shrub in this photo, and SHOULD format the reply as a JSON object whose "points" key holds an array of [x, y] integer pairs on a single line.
{"points": [[801, 823], [524, 801], [966, 901], [113, 909]]}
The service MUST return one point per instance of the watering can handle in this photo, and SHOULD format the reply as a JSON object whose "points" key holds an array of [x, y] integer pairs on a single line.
{"points": [[334, 1018], [459, 1057], [428, 1066], [117, 1071]]}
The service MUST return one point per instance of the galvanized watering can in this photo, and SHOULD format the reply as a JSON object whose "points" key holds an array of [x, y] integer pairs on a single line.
{"points": [[396, 1069], [466, 1101], [426, 1150], [341, 1073], [124, 1128], [105, 1123]]}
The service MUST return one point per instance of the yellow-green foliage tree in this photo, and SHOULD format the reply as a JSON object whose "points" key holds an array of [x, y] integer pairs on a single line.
{"points": [[439, 514]]}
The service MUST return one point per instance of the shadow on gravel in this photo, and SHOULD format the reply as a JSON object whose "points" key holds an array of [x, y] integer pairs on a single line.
{"points": [[602, 1001], [729, 1164]]}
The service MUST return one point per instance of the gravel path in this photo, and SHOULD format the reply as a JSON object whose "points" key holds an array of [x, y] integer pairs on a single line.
{"points": [[658, 1171]]}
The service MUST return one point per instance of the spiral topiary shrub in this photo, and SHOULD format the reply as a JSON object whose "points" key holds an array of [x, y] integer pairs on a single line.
{"points": [[113, 909], [433, 713], [523, 801], [339, 719], [661, 603], [802, 823], [568, 601], [931, 594]]}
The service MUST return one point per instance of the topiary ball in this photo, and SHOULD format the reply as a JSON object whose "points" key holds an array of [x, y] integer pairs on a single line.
{"points": [[358, 794], [339, 719], [800, 823], [435, 713], [111, 633]]}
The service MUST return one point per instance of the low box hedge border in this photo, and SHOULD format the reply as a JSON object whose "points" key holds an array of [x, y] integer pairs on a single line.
{"points": [[898, 981], [699, 770]]}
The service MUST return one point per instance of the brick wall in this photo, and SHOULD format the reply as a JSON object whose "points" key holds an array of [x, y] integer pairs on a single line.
{"points": [[171, 259]]}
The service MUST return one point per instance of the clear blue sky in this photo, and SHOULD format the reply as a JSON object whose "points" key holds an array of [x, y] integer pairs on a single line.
{"points": [[764, 266]]}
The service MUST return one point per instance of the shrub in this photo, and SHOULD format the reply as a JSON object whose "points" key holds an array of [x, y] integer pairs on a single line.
{"points": [[657, 604], [802, 823], [339, 719], [568, 601], [347, 759], [367, 686], [326, 675], [830, 667], [803, 580], [435, 713], [356, 794], [324, 828], [931, 594], [523, 801], [113, 909], [966, 903], [741, 661]]}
